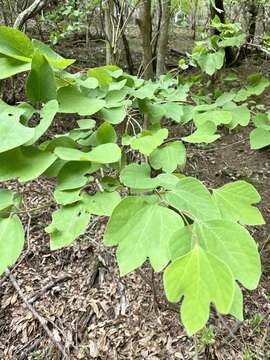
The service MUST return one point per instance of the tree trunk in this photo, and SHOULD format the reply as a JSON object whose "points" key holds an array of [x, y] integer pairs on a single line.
{"points": [[145, 25], [253, 11], [163, 39], [108, 31]]}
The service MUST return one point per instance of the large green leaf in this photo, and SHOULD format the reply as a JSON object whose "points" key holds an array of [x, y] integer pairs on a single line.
{"points": [[169, 157], [235, 203], [10, 67], [26, 164], [138, 176], [102, 154], [141, 230], [71, 100], [201, 279], [15, 44], [102, 203], [233, 244], [47, 115], [13, 133], [40, 86], [11, 241], [53, 58], [69, 222], [192, 198]]}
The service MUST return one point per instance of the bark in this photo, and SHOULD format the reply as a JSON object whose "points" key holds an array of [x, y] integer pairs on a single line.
{"points": [[253, 10], [145, 25], [163, 39]]}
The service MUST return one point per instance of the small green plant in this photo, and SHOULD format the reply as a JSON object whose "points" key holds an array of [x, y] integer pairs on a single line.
{"points": [[196, 237], [256, 320], [207, 337]]}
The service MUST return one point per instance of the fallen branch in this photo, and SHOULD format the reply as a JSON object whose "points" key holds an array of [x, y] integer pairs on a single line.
{"points": [[29, 13], [40, 319], [48, 287]]}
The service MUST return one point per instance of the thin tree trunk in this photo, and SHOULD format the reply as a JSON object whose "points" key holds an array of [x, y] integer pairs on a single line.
{"points": [[218, 10], [163, 39], [108, 31], [145, 25]]}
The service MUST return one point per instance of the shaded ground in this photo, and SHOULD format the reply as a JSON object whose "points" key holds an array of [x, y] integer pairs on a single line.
{"points": [[98, 315]]}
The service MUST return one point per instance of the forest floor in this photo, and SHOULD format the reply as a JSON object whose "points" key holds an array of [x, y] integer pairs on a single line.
{"points": [[96, 314]]}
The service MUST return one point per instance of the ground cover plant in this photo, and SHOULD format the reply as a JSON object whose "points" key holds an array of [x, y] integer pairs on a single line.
{"points": [[120, 159]]}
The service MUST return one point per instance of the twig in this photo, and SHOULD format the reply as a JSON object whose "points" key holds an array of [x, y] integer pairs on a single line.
{"points": [[48, 287], [41, 320]]}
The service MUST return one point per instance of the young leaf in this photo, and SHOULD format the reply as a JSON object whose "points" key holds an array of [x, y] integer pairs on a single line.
{"points": [[201, 279], [235, 201], [40, 86], [11, 241], [143, 235], [169, 157]]}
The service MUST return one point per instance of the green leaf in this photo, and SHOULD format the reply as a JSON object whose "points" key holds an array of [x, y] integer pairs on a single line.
{"points": [[13, 133], [259, 138], [6, 199], [10, 67], [218, 117], [173, 111], [73, 175], [232, 243], [143, 235], [169, 157], [101, 74], [11, 241], [137, 176], [235, 203], [71, 100], [40, 86], [192, 198], [201, 279], [62, 230], [105, 134], [146, 91], [53, 58], [262, 121], [102, 203], [47, 115], [15, 44], [102, 154], [25, 164], [147, 142], [67, 197], [237, 305], [114, 115], [206, 133]]}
